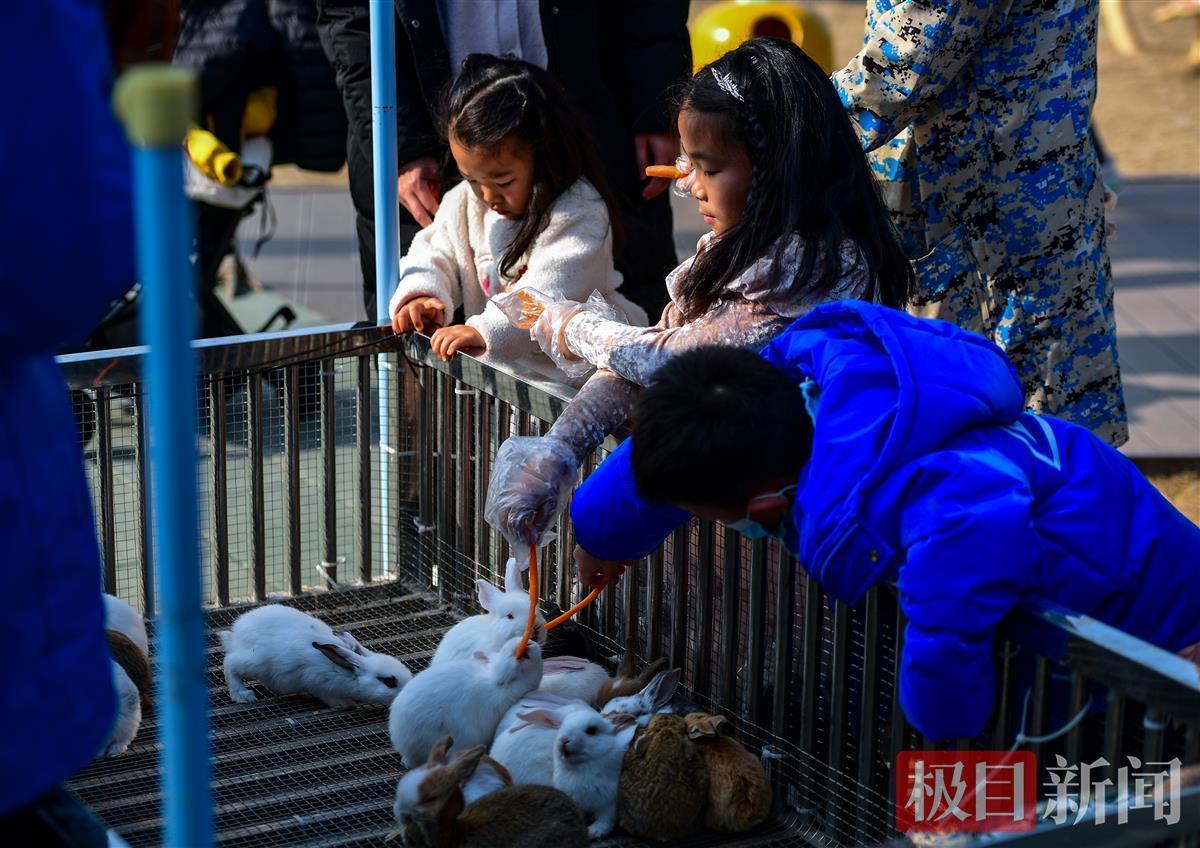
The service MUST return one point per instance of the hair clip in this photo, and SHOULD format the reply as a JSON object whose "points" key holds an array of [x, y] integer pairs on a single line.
{"points": [[726, 84]]}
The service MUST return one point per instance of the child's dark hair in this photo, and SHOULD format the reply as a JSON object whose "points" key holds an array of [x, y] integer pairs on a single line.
{"points": [[492, 98], [715, 426], [810, 176]]}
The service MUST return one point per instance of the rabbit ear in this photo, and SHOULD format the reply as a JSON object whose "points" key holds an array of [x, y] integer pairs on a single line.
{"points": [[488, 594], [337, 654], [512, 576], [620, 721], [662, 687], [543, 717], [700, 725], [628, 661], [437, 754], [651, 671], [351, 642], [465, 762]]}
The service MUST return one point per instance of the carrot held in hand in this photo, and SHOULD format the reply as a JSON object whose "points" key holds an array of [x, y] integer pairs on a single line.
{"points": [[666, 172]]}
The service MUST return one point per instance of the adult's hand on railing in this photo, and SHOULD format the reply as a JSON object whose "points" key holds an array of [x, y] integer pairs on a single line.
{"points": [[418, 314], [595, 572], [417, 187], [531, 477]]}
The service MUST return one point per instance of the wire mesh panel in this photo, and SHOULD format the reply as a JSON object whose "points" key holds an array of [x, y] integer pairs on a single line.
{"points": [[300, 502]]}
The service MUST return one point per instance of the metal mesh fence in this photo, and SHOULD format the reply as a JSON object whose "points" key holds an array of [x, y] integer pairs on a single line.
{"points": [[298, 495]]}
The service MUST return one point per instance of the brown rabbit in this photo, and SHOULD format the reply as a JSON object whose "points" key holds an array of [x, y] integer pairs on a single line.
{"points": [[739, 795], [626, 682], [432, 813], [663, 782]]}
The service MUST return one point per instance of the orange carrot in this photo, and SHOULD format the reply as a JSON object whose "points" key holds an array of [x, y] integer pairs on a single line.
{"points": [[533, 602], [591, 596], [666, 172]]}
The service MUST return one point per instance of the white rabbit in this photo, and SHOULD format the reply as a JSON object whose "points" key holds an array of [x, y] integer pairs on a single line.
{"points": [[121, 617], [573, 678], [289, 651], [588, 752], [506, 617], [526, 748], [464, 699], [653, 698], [129, 649], [129, 713]]}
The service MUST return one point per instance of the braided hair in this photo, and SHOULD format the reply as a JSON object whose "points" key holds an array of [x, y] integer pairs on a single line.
{"points": [[493, 98], [810, 178]]}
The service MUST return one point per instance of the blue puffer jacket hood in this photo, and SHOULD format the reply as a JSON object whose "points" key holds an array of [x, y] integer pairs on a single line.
{"points": [[873, 416]]}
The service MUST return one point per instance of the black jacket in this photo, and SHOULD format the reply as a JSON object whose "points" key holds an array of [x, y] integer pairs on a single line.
{"points": [[238, 46]]}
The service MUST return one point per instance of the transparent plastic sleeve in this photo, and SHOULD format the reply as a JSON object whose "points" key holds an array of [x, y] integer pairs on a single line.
{"points": [[548, 331], [531, 477]]}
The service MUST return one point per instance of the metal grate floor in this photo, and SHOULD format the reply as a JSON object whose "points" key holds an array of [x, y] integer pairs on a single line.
{"points": [[289, 770]]}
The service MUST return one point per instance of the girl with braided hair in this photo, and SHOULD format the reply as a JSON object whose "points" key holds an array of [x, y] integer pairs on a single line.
{"points": [[795, 221], [532, 210]]}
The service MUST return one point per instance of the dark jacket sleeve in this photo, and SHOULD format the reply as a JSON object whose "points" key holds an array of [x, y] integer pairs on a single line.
{"points": [[611, 520], [655, 55], [345, 30]]}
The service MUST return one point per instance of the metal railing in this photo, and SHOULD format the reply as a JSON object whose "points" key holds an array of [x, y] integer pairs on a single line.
{"points": [[290, 469]]}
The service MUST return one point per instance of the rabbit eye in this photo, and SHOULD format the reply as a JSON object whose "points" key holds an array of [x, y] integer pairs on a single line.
{"points": [[509, 616], [389, 681], [591, 731]]}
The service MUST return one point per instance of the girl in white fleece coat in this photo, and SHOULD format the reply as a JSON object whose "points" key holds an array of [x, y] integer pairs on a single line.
{"points": [[528, 213]]}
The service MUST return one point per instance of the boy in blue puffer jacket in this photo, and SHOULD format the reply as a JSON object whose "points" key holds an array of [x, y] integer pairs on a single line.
{"points": [[880, 447]]}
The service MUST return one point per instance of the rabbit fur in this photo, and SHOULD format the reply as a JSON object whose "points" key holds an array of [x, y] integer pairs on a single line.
{"points": [[664, 783], [573, 678], [472, 771], [588, 751], [653, 698], [432, 812], [129, 649], [121, 617], [506, 614], [290, 651], [626, 682], [464, 699], [739, 794], [526, 748]]}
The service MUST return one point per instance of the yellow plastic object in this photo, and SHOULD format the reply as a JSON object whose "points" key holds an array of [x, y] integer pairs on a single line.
{"points": [[262, 108], [214, 159], [723, 26]]}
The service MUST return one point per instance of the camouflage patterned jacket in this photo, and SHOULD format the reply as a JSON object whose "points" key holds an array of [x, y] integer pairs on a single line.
{"points": [[975, 116]]}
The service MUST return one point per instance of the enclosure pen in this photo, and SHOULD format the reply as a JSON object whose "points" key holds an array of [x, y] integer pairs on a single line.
{"points": [[808, 685]]}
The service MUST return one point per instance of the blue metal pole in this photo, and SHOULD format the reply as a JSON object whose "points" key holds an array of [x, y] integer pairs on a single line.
{"points": [[156, 103], [387, 234], [383, 147]]}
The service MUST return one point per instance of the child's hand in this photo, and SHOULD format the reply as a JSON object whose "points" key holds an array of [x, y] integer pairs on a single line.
{"points": [[595, 572], [450, 340], [417, 314]]}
